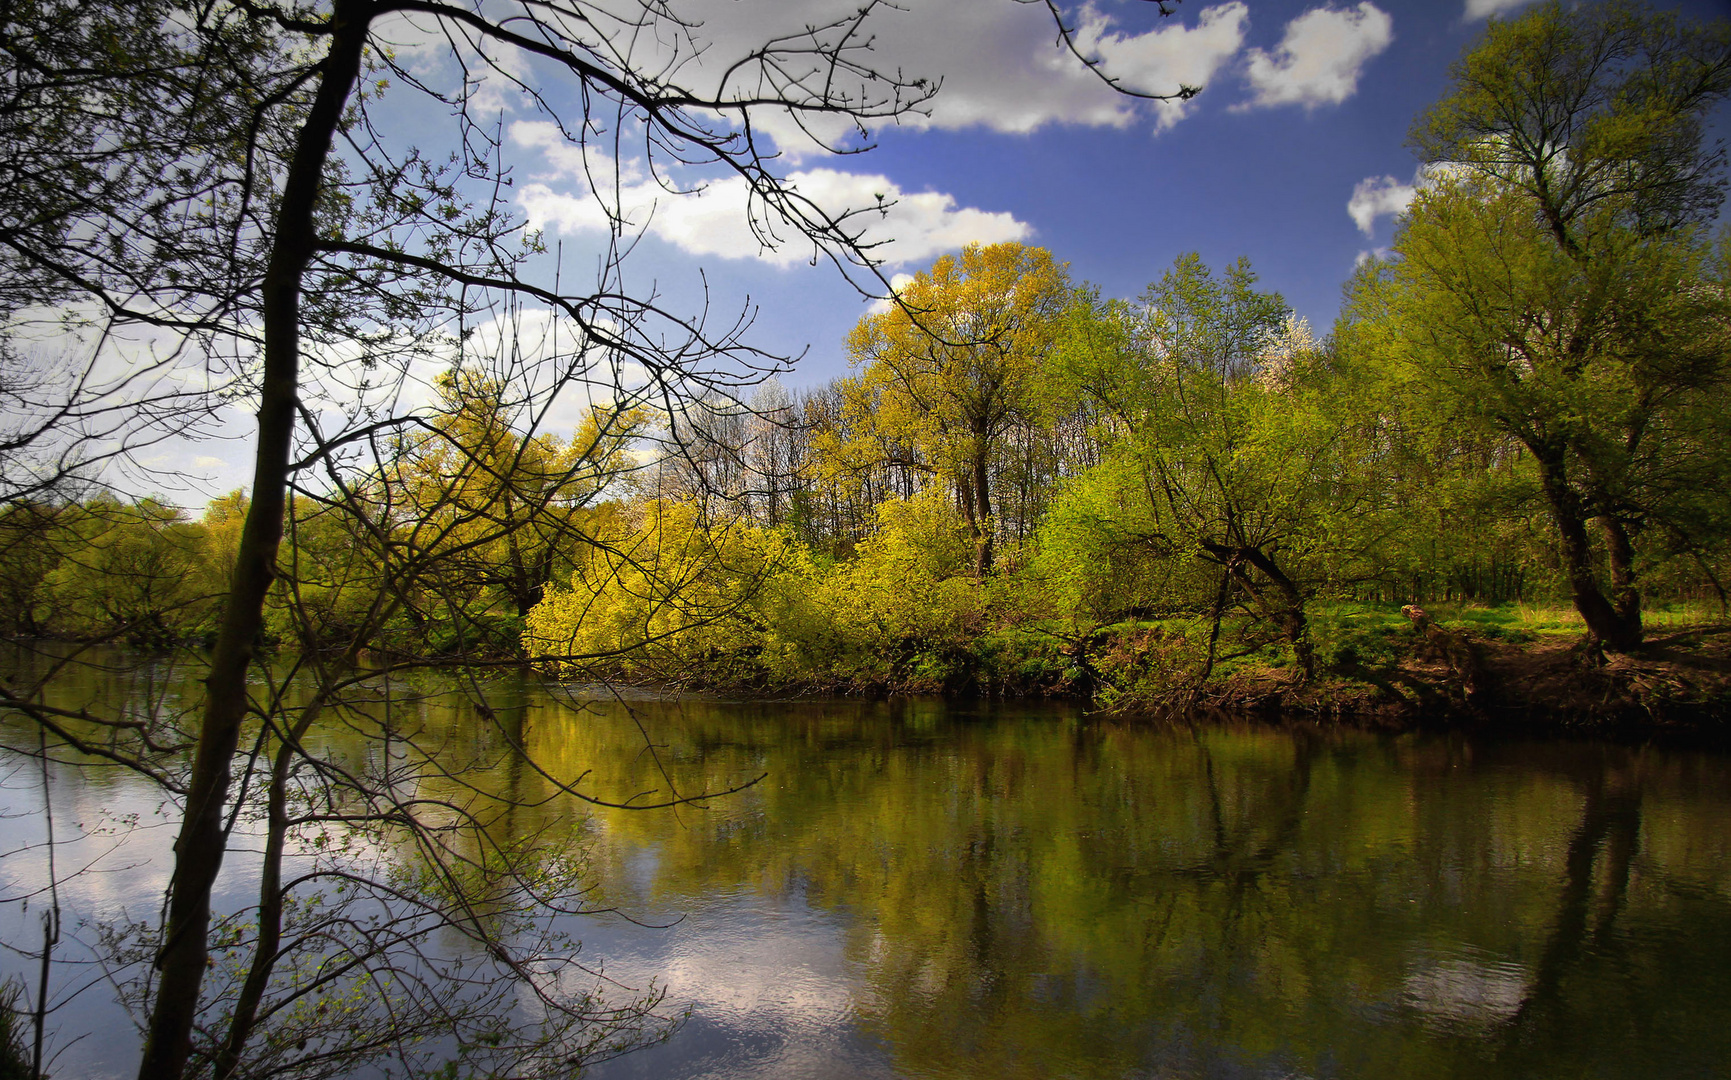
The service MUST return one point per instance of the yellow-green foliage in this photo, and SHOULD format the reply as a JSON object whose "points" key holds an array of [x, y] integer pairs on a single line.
{"points": [[905, 608], [734, 602], [670, 597], [133, 570]]}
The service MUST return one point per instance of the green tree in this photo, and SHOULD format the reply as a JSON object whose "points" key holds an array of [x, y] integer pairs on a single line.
{"points": [[130, 571], [282, 238], [1228, 480], [491, 506], [33, 535], [1554, 284]]}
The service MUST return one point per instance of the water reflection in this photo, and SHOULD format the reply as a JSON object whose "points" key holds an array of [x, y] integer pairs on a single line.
{"points": [[921, 891]]}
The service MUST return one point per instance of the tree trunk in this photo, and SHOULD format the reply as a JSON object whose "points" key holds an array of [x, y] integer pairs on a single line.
{"points": [[268, 946], [1289, 616], [1619, 630], [983, 526], [1625, 594], [203, 840]]}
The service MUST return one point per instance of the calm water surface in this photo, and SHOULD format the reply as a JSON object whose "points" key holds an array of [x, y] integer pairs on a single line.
{"points": [[917, 889]]}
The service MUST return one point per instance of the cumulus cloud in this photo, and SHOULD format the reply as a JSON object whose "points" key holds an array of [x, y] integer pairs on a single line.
{"points": [[1378, 196], [1000, 65], [1479, 9], [717, 218], [1320, 57], [1168, 58], [898, 282]]}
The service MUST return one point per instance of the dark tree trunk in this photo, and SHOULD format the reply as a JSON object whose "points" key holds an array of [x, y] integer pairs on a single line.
{"points": [[1289, 614], [1614, 626], [270, 904], [982, 499], [203, 841], [1625, 594]]}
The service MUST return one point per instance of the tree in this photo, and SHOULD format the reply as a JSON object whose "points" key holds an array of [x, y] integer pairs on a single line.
{"points": [[951, 370], [1554, 283], [1226, 475], [503, 504], [133, 134], [129, 572]]}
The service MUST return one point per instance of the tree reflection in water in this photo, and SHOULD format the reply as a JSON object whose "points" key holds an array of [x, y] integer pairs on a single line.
{"points": [[926, 890]]}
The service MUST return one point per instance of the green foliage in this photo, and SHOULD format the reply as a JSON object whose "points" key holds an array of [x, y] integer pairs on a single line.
{"points": [[671, 599], [1553, 294], [1231, 482], [137, 571], [15, 1052], [907, 609], [1352, 636], [32, 536], [950, 376]]}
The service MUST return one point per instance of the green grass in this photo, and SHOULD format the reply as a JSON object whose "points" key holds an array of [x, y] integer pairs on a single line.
{"points": [[1500, 622]]}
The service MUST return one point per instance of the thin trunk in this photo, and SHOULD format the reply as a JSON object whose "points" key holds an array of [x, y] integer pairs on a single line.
{"points": [[270, 905], [50, 918], [1718, 587], [1290, 615], [965, 495], [268, 946], [1216, 612], [202, 842], [982, 500]]}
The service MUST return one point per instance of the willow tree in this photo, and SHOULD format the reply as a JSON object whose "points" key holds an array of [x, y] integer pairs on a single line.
{"points": [[1555, 283], [953, 369]]}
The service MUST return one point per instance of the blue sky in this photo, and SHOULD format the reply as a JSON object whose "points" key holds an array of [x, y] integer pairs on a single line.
{"points": [[1293, 156], [1304, 102]]}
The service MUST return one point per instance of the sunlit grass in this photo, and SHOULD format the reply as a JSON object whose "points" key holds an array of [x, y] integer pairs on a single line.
{"points": [[1545, 619]]}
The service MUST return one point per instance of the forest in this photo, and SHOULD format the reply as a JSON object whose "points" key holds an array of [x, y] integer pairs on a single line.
{"points": [[472, 464], [1025, 488]]}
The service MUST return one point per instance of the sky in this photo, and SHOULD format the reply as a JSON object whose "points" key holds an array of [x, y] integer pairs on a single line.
{"points": [[1293, 156]]}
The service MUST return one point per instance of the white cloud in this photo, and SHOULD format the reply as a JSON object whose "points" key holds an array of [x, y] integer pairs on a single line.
{"points": [[1170, 57], [717, 217], [1320, 57], [1378, 196], [1375, 253], [1479, 9], [898, 282], [1000, 64], [424, 49]]}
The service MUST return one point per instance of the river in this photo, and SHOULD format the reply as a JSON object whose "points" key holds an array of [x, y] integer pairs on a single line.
{"points": [[917, 888]]}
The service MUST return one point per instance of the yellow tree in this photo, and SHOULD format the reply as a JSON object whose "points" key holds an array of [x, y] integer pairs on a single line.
{"points": [[490, 506], [950, 371]]}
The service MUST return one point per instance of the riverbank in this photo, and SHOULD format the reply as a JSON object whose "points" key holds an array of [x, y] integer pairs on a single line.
{"points": [[1677, 683], [1373, 670], [1388, 675]]}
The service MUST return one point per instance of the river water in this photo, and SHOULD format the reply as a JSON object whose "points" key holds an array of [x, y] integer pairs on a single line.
{"points": [[922, 889]]}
